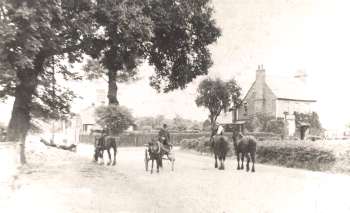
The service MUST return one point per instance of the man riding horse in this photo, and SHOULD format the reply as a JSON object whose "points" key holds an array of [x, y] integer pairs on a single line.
{"points": [[217, 130], [164, 138]]}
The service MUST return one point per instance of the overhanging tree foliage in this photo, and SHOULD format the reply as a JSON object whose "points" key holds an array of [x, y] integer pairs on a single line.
{"points": [[172, 35], [217, 96]]}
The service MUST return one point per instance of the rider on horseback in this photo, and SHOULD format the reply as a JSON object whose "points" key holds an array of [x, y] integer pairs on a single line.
{"points": [[217, 130], [220, 130], [164, 138]]}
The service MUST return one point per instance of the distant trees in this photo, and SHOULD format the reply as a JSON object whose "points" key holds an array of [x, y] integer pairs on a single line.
{"points": [[113, 118], [177, 123], [309, 118], [206, 126], [217, 96]]}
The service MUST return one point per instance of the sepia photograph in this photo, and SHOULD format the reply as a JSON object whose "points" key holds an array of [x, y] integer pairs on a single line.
{"points": [[183, 106]]}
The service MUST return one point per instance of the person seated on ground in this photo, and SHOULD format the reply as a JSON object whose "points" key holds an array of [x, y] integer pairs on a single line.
{"points": [[164, 138]]}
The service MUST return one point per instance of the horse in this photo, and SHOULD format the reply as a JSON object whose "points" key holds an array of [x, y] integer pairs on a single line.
{"points": [[220, 146], [245, 146], [156, 151], [105, 143]]}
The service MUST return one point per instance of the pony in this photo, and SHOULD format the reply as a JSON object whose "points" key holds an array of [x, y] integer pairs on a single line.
{"points": [[220, 146], [156, 151], [245, 146], [105, 143]]}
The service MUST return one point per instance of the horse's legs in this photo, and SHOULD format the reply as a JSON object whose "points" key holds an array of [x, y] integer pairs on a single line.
{"points": [[159, 160], [238, 167], [114, 155], [172, 164], [222, 166], [109, 156], [101, 156], [152, 166], [216, 161], [248, 161], [252, 154], [242, 160], [223, 162]]}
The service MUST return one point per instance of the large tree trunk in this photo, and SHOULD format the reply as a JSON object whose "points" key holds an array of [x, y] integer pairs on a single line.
{"points": [[212, 124], [20, 118], [112, 88]]}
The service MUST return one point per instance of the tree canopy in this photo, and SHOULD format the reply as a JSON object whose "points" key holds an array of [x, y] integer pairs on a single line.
{"points": [[217, 96], [171, 35]]}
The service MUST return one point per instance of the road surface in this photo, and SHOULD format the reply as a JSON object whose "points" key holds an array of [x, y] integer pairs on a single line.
{"points": [[69, 182]]}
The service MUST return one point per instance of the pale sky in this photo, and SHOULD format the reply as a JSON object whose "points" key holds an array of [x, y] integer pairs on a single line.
{"points": [[283, 35]]}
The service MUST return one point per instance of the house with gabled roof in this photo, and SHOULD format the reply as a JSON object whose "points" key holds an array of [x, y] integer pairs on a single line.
{"points": [[277, 97]]}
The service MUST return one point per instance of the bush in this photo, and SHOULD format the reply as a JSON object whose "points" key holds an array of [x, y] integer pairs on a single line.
{"points": [[202, 145], [293, 154]]}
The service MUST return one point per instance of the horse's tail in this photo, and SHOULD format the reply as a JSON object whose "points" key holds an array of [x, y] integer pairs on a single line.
{"points": [[225, 145], [221, 146]]}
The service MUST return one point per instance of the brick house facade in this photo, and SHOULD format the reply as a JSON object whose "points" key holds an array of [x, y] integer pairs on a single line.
{"points": [[276, 97]]}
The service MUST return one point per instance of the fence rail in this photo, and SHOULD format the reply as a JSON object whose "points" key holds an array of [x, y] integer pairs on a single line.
{"points": [[139, 139]]}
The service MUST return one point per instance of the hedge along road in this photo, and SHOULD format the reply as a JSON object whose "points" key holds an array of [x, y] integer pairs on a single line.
{"points": [[70, 182]]}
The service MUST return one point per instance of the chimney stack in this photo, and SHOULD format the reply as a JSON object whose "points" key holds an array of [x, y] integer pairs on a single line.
{"points": [[260, 74], [259, 89]]}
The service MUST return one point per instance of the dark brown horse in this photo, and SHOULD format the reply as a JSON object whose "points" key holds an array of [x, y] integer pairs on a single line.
{"points": [[156, 151], [220, 146], [245, 146], [105, 143]]}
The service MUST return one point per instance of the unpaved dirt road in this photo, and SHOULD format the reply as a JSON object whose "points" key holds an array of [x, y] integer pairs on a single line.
{"points": [[70, 182]]}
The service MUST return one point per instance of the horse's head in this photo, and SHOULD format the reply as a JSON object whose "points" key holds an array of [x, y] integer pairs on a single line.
{"points": [[154, 146]]}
